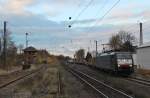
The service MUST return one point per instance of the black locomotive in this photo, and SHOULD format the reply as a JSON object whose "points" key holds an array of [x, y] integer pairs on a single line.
{"points": [[118, 62]]}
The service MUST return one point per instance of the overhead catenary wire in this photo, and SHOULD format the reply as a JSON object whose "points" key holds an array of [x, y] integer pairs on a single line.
{"points": [[132, 28], [136, 30], [101, 8], [107, 12], [101, 18], [146, 25], [81, 12]]}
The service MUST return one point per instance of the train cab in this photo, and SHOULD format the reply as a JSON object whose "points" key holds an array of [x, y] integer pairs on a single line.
{"points": [[125, 61]]}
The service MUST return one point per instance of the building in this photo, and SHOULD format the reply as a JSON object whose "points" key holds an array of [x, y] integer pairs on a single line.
{"points": [[30, 55], [143, 56]]}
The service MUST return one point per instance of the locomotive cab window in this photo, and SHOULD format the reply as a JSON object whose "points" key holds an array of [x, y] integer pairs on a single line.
{"points": [[124, 56]]}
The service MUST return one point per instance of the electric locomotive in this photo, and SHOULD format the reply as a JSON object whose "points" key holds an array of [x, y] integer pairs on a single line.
{"points": [[118, 62]]}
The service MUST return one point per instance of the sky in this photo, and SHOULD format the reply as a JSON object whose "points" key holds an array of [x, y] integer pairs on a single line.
{"points": [[47, 22]]}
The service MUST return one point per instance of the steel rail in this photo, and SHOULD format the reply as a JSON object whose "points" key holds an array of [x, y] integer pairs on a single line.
{"points": [[107, 85], [139, 81], [59, 83], [93, 79], [19, 78], [88, 84]]}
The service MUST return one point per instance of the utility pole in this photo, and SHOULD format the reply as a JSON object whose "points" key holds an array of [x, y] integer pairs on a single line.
{"points": [[88, 49], [141, 34], [96, 47], [5, 43], [0, 46], [27, 40], [103, 47]]}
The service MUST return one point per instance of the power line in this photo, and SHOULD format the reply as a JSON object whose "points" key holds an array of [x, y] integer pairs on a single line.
{"points": [[99, 10], [102, 7], [146, 26], [101, 18], [82, 11], [107, 13], [134, 30]]}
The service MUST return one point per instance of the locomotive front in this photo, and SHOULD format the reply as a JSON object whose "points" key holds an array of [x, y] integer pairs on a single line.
{"points": [[125, 62]]}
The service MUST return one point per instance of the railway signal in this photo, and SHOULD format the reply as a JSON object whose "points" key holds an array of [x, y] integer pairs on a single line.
{"points": [[27, 40], [70, 18], [69, 26]]}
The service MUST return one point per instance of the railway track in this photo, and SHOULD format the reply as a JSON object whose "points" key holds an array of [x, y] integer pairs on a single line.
{"points": [[139, 81], [59, 83], [104, 90], [19, 78]]}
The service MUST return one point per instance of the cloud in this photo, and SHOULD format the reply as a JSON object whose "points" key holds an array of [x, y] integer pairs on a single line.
{"points": [[45, 21], [32, 21], [15, 6]]}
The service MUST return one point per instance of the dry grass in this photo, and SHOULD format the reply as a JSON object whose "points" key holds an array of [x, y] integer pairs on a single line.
{"points": [[3, 72], [9, 70], [45, 84], [144, 72], [50, 80]]}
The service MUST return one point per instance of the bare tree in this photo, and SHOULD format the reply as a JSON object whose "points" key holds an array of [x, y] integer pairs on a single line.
{"points": [[115, 42], [88, 57], [79, 55], [11, 49], [122, 41], [126, 37]]}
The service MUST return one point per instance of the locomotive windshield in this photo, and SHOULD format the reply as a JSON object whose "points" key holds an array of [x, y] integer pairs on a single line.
{"points": [[124, 56]]}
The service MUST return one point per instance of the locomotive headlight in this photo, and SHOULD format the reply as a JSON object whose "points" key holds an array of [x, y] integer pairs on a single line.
{"points": [[130, 65], [118, 65]]}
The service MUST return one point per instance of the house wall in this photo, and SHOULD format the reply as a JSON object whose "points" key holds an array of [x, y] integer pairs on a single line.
{"points": [[135, 58], [143, 57]]}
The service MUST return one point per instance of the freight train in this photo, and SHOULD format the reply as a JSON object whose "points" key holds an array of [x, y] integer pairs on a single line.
{"points": [[118, 62], [114, 62]]}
